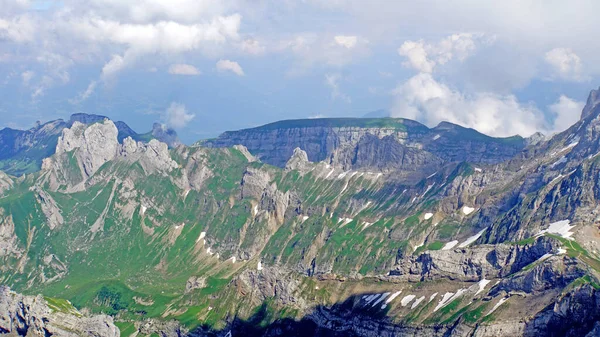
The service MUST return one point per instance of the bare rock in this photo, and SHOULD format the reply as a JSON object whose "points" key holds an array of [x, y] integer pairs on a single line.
{"points": [[195, 282], [298, 161], [32, 316], [152, 156]]}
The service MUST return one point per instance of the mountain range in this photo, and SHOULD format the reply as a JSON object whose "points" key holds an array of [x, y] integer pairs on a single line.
{"points": [[22, 151], [317, 227]]}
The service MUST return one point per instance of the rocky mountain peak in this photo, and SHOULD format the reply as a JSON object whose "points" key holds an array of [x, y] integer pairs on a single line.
{"points": [[96, 144], [86, 118], [591, 104], [165, 134], [298, 160]]}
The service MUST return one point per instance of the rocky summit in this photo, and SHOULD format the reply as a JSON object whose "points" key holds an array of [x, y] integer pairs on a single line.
{"points": [[321, 227]]}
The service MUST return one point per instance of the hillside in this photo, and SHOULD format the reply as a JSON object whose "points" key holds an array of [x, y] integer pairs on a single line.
{"points": [[383, 144], [22, 151], [216, 240]]}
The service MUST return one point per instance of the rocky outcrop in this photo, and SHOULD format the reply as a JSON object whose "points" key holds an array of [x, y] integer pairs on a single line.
{"points": [[473, 264], [22, 151], [152, 156], [9, 243], [270, 283], [591, 104], [33, 316], [83, 149], [195, 282], [376, 143], [95, 145], [298, 161], [50, 209], [151, 327]]}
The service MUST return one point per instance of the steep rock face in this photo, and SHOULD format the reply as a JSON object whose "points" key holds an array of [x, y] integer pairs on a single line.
{"points": [[384, 143], [298, 161], [270, 283], [81, 151], [6, 183], [152, 156], [9, 244], [31, 316], [22, 151], [124, 129], [96, 145], [574, 313], [485, 261], [591, 104]]}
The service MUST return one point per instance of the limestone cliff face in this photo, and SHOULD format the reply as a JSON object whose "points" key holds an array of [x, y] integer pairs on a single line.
{"points": [[82, 149], [32, 316], [22, 151], [379, 144], [95, 145]]}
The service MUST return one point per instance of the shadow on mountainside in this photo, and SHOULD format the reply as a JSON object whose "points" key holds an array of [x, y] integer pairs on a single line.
{"points": [[576, 314], [348, 319]]}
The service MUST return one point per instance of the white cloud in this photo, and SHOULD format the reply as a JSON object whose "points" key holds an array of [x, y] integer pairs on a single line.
{"points": [[253, 47], [417, 56], [565, 64], [431, 102], [346, 41], [144, 11], [227, 65], [115, 65], [425, 56], [19, 29], [566, 112], [26, 76], [313, 50], [84, 94], [332, 81], [163, 37], [177, 116], [183, 69]]}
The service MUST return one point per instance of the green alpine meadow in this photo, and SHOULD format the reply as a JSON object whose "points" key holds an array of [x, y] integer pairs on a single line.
{"points": [[324, 227]]}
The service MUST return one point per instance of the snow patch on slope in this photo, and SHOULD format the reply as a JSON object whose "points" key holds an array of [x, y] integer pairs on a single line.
{"points": [[450, 245]]}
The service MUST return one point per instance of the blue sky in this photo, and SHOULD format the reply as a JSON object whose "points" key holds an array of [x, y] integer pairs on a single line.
{"points": [[206, 66]]}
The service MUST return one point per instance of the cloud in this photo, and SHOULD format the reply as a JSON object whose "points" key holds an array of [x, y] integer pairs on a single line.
{"points": [[332, 81], [165, 38], [26, 76], [566, 112], [84, 95], [19, 29], [312, 50], [183, 69], [144, 11], [424, 57], [346, 41], [227, 65], [115, 65], [417, 56], [424, 99], [253, 47], [176, 116], [565, 65]]}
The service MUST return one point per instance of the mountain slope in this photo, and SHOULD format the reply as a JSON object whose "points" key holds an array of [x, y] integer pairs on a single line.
{"points": [[22, 151], [208, 240], [401, 145]]}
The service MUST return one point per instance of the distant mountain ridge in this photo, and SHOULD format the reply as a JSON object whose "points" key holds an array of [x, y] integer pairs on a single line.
{"points": [[22, 151], [387, 144]]}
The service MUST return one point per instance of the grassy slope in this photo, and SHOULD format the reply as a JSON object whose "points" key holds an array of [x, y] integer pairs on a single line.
{"points": [[125, 269]]}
